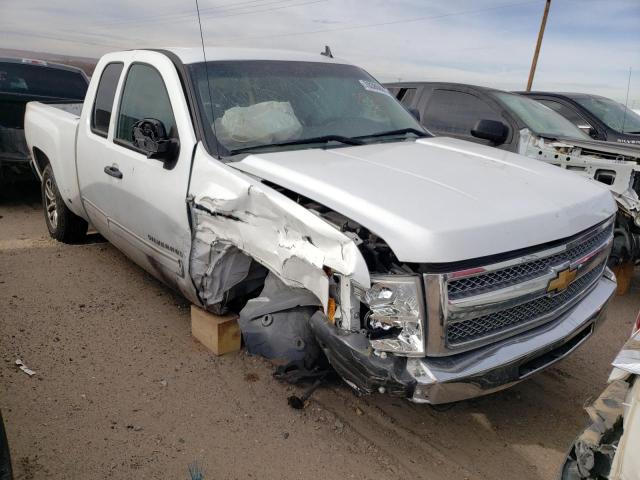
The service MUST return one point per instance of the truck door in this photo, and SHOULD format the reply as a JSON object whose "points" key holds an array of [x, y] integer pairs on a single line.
{"points": [[452, 112], [141, 200]]}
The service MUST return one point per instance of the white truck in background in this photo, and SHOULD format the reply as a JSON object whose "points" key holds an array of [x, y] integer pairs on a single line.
{"points": [[294, 190]]}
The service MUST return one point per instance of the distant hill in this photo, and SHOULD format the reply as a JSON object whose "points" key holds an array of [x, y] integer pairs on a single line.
{"points": [[85, 63]]}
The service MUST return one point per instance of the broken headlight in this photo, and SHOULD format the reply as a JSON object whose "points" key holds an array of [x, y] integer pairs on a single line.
{"points": [[396, 314]]}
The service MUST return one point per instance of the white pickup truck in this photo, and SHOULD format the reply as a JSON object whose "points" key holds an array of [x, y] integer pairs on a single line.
{"points": [[296, 191]]}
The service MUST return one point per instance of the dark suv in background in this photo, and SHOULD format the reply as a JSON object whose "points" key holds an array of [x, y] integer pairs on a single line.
{"points": [[601, 118], [520, 124]]}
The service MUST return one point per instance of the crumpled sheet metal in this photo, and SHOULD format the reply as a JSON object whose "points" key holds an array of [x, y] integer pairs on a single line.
{"points": [[606, 414], [628, 359], [216, 268], [283, 236], [572, 156]]}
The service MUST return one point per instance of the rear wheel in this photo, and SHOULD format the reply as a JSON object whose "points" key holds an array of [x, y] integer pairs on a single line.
{"points": [[5, 459], [63, 225]]}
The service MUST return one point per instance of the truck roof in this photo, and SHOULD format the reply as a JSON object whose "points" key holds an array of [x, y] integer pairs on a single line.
{"points": [[562, 94], [440, 83], [189, 55], [41, 63]]}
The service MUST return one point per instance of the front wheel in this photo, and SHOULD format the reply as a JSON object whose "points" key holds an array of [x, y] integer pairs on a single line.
{"points": [[63, 225]]}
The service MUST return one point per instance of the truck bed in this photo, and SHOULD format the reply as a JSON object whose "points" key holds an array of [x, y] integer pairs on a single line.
{"points": [[72, 108], [50, 131], [14, 153]]}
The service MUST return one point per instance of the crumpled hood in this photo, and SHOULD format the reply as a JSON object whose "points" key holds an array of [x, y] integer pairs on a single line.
{"points": [[440, 199]]}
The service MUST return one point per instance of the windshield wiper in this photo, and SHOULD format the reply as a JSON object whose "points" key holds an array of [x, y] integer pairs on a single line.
{"points": [[401, 131], [303, 141]]}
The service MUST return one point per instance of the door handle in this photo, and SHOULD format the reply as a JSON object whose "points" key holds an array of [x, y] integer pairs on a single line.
{"points": [[113, 171]]}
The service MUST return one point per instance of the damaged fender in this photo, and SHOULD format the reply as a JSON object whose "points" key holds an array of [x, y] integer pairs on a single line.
{"points": [[293, 243]]}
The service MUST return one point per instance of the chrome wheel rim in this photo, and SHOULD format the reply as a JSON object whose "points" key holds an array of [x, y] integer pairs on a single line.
{"points": [[50, 203]]}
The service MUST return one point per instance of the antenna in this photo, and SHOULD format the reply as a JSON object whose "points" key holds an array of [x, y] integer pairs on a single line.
{"points": [[626, 102], [327, 52], [206, 71]]}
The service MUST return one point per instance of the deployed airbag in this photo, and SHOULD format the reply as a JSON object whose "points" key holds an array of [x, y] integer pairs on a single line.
{"points": [[265, 122]]}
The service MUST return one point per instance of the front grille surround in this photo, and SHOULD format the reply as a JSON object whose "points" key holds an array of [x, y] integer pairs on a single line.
{"points": [[538, 309], [476, 284], [471, 308]]}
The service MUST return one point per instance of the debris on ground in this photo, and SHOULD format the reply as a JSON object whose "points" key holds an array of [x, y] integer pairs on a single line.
{"points": [[195, 472], [301, 402], [24, 368]]}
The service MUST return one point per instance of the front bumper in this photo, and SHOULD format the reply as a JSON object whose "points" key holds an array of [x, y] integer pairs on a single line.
{"points": [[485, 370]]}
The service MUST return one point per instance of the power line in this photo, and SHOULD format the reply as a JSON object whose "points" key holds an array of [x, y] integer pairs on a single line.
{"points": [[178, 17], [67, 40], [147, 18], [382, 24]]}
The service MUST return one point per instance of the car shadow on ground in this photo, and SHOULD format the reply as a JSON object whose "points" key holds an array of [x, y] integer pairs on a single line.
{"points": [[28, 194], [23, 193]]}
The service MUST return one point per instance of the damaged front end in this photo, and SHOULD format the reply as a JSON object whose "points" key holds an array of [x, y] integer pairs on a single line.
{"points": [[616, 166], [299, 276], [314, 288], [606, 448]]}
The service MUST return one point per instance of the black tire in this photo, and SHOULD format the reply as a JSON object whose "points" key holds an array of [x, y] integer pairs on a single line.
{"points": [[5, 458], [63, 225]]}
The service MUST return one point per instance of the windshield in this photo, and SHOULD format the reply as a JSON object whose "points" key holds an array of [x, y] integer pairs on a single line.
{"points": [[41, 81], [612, 114], [262, 104], [539, 118]]}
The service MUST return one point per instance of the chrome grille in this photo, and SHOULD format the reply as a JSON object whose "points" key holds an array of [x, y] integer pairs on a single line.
{"points": [[471, 308], [524, 271], [467, 330]]}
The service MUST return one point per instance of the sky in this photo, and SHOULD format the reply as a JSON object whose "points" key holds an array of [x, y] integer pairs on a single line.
{"points": [[589, 45]]}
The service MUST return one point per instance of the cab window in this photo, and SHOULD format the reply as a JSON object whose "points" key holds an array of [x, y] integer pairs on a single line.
{"points": [[406, 96], [103, 105], [144, 96], [567, 112], [451, 112]]}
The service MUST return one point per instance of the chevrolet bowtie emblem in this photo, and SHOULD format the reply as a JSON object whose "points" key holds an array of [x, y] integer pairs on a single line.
{"points": [[562, 281]]}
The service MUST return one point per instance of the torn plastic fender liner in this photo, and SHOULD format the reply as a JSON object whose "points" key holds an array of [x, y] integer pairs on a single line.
{"points": [[276, 324], [350, 354], [230, 206]]}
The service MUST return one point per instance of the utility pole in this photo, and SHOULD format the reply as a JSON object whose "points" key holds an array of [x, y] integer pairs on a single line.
{"points": [[534, 63]]}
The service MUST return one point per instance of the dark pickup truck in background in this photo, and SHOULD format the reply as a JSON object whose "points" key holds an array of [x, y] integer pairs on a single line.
{"points": [[600, 117], [519, 124], [22, 81]]}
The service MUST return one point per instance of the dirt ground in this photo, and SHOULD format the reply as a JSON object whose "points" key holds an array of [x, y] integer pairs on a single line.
{"points": [[123, 391]]}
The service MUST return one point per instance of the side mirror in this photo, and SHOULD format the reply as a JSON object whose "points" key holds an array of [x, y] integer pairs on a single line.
{"points": [[415, 113], [150, 136], [492, 130]]}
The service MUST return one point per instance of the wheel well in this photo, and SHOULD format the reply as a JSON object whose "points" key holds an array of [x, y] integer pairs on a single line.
{"points": [[41, 159]]}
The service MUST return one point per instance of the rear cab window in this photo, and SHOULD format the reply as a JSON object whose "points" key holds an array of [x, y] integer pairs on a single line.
{"points": [[42, 81], [103, 104], [144, 96]]}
